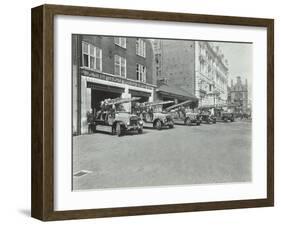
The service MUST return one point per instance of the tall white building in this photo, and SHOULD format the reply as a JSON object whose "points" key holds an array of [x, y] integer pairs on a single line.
{"points": [[211, 74]]}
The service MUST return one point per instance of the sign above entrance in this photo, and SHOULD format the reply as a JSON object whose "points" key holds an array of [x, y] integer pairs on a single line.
{"points": [[112, 78], [104, 88]]}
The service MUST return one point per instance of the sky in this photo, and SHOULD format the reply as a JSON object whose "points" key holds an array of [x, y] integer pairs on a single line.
{"points": [[239, 56]]}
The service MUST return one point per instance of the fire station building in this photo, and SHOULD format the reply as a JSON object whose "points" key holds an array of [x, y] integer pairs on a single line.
{"points": [[108, 67]]}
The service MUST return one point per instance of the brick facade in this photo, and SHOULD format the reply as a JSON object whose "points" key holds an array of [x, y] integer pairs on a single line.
{"points": [[90, 86], [176, 63]]}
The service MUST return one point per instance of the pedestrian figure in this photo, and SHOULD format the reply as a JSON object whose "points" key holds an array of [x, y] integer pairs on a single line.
{"points": [[90, 121]]}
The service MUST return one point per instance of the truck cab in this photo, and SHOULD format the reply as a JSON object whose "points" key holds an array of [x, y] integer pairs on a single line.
{"points": [[223, 115], [206, 116]]}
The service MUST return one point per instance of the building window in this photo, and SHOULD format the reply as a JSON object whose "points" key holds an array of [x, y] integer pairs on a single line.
{"points": [[209, 70], [203, 67], [141, 73], [85, 53], [120, 42], [202, 51], [120, 66], [210, 88], [91, 56], [141, 47]]}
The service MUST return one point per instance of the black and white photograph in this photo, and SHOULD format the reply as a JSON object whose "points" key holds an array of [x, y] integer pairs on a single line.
{"points": [[140, 112], [152, 112]]}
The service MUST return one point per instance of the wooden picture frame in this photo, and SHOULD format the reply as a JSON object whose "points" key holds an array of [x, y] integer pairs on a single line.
{"points": [[42, 203]]}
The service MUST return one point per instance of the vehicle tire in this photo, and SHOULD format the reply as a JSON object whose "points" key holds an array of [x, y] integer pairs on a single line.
{"points": [[140, 131], [118, 129], [214, 121], [198, 123], [225, 119], [157, 124], [232, 120], [171, 126], [187, 121], [113, 130], [94, 128]]}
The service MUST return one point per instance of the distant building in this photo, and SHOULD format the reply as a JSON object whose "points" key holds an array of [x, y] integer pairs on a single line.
{"points": [[108, 67], [195, 67], [238, 95]]}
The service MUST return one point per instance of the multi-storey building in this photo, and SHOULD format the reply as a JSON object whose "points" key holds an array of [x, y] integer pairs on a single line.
{"points": [[238, 95], [211, 74], [175, 69], [108, 67], [197, 67]]}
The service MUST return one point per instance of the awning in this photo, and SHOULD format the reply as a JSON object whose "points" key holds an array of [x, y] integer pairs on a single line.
{"points": [[175, 92]]}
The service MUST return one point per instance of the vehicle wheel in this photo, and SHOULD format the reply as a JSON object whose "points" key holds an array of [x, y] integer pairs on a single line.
{"points": [[187, 122], [158, 125], [198, 123], [94, 128], [118, 129], [113, 130], [224, 119], [140, 131], [214, 121], [232, 120], [171, 126]]}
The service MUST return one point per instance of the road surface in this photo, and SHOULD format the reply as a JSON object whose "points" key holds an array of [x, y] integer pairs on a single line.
{"points": [[206, 154]]}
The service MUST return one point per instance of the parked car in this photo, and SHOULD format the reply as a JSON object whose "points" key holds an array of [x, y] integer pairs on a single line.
{"points": [[222, 115], [114, 119], [181, 114], [152, 113], [242, 115]]}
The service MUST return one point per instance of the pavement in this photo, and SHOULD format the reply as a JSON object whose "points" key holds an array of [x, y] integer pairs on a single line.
{"points": [[206, 154]]}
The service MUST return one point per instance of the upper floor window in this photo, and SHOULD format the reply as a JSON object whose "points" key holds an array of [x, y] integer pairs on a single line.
{"points": [[120, 66], [141, 47], [141, 73], [91, 56], [202, 67], [202, 51], [120, 42], [210, 88]]}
